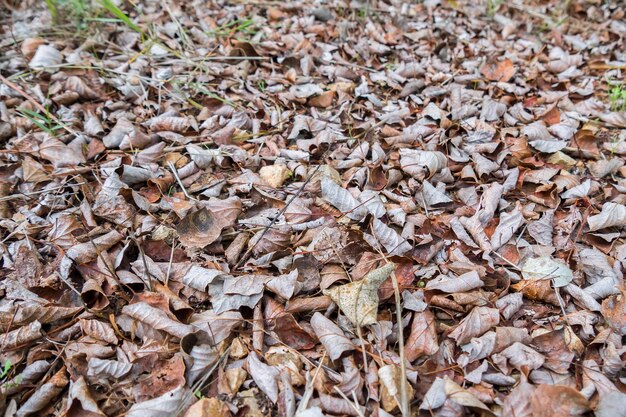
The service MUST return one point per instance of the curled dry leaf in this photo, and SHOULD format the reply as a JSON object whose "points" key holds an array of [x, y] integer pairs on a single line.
{"points": [[265, 376], [612, 215], [46, 56], [390, 378], [332, 337], [199, 229], [81, 401], [341, 199], [394, 243], [422, 164], [44, 394], [466, 282], [163, 406], [156, 319], [105, 368]]}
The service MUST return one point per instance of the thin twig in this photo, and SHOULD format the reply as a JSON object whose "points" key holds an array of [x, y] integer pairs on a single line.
{"points": [[354, 406], [178, 180], [404, 398]]}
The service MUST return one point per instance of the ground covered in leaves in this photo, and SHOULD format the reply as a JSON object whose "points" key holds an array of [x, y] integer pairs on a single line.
{"points": [[310, 209]]}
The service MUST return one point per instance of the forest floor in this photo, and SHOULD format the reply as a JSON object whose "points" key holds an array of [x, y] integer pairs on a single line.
{"points": [[310, 208]]}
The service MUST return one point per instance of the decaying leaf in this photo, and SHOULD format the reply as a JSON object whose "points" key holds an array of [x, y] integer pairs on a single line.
{"points": [[547, 268], [359, 300], [199, 229], [253, 208]]}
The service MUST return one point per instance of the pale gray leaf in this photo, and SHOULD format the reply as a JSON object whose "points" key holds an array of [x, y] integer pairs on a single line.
{"points": [[466, 282], [108, 368], [165, 405], [390, 239], [509, 223], [342, 200], [199, 278], [612, 214], [265, 376], [332, 337], [156, 319]]}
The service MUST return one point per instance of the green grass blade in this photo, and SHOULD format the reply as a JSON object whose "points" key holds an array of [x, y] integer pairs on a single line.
{"points": [[115, 11], [52, 7]]}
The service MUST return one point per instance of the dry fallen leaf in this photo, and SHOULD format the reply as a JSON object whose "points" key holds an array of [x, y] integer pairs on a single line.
{"points": [[546, 268], [477, 322], [558, 400], [331, 336], [199, 229], [202, 203], [612, 215], [495, 70], [359, 300]]}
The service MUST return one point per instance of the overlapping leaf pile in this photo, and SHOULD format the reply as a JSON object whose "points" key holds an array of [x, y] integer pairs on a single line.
{"points": [[206, 209]]}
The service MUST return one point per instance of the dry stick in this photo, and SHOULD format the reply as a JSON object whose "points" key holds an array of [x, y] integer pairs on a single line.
{"points": [[145, 263], [355, 406], [169, 265], [275, 219], [404, 400], [308, 390], [198, 385], [180, 183], [37, 104], [28, 195]]}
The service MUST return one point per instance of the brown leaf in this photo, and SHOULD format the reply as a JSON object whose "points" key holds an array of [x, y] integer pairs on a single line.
{"points": [[423, 337], [199, 229], [558, 401], [614, 311], [163, 379], [44, 394], [495, 70], [291, 333], [208, 407], [477, 322]]}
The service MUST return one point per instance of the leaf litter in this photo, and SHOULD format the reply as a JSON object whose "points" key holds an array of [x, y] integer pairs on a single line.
{"points": [[309, 209]]}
